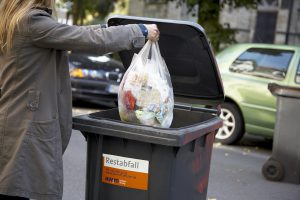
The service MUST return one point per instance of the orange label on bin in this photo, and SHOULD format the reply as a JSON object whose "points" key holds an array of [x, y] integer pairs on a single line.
{"points": [[125, 172]]}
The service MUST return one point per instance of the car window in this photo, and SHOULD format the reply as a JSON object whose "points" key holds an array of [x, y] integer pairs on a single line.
{"points": [[268, 63], [298, 74]]}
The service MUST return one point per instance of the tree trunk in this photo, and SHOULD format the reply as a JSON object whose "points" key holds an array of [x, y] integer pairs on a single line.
{"points": [[77, 10], [208, 17]]}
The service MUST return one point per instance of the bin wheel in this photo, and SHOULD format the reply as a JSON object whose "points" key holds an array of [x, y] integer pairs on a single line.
{"points": [[233, 124], [273, 170]]}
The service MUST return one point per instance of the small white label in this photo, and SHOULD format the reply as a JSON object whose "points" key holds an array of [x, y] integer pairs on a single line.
{"points": [[124, 163]]}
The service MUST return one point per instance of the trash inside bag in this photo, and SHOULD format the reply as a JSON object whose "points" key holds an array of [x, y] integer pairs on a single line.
{"points": [[146, 93]]}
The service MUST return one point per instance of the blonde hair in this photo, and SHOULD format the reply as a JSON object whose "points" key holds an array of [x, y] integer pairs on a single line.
{"points": [[11, 12]]}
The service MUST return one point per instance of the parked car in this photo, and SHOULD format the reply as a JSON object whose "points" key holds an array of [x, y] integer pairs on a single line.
{"points": [[95, 78], [246, 71]]}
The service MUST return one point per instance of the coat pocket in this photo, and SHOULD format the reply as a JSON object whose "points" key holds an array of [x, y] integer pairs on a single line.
{"points": [[42, 161], [44, 130], [33, 100]]}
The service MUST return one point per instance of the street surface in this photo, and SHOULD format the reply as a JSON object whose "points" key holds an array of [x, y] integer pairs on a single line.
{"points": [[235, 170]]}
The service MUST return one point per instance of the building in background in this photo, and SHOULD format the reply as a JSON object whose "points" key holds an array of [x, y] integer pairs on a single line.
{"points": [[62, 9], [275, 21], [154, 9]]}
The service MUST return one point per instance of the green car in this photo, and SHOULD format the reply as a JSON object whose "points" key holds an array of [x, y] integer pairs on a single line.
{"points": [[246, 71]]}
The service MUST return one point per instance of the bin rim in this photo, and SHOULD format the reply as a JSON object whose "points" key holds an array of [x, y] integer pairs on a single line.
{"points": [[283, 90], [164, 136]]}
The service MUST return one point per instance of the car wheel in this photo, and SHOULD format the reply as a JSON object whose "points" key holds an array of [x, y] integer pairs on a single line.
{"points": [[273, 170], [233, 126]]}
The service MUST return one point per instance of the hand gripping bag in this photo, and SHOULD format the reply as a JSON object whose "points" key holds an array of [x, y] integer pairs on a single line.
{"points": [[146, 94]]}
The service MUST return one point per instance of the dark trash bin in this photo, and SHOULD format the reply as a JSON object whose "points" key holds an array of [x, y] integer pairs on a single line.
{"points": [[284, 163], [137, 162]]}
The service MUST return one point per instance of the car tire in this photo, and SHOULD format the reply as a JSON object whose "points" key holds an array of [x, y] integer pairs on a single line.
{"points": [[233, 124]]}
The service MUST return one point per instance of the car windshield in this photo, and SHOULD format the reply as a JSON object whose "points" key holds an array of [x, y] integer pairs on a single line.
{"points": [[267, 63]]}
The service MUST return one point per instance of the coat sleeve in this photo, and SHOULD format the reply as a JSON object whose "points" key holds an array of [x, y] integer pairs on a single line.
{"points": [[45, 32]]}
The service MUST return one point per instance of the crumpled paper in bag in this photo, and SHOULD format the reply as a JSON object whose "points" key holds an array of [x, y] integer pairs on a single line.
{"points": [[146, 93]]}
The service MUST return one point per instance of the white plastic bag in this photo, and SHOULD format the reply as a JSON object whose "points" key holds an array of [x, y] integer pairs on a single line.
{"points": [[146, 93]]}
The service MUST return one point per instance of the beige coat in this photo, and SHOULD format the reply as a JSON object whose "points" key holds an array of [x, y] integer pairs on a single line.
{"points": [[35, 101]]}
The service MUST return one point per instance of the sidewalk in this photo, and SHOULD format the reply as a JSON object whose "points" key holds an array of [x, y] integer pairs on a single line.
{"points": [[235, 174]]}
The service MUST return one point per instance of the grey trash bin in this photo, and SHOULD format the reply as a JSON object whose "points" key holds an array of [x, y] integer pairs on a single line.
{"points": [[284, 163], [136, 162]]}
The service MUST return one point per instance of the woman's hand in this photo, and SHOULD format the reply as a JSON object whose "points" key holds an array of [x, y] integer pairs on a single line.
{"points": [[153, 32]]}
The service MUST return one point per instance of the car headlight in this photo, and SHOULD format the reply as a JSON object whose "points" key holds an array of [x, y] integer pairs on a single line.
{"points": [[86, 73], [77, 73], [96, 74]]}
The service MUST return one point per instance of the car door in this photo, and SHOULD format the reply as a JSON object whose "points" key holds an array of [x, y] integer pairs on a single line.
{"points": [[253, 70]]}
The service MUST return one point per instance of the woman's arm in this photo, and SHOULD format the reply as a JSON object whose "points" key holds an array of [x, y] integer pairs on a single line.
{"points": [[47, 33]]}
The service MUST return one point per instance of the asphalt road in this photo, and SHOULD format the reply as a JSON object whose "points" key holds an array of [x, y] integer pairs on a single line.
{"points": [[236, 175], [235, 171]]}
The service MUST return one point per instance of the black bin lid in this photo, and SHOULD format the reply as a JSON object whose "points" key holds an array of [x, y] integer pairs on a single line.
{"points": [[188, 55]]}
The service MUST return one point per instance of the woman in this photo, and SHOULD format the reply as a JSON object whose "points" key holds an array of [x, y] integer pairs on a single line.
{"points": [[35, 92]]}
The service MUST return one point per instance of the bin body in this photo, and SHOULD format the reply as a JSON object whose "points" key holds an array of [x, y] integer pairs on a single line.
{"points": [[286, 141], [178, 158], [136, 162]]}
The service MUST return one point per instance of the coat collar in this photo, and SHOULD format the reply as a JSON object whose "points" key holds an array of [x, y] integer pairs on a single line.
{"points": [[48, 10]]}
